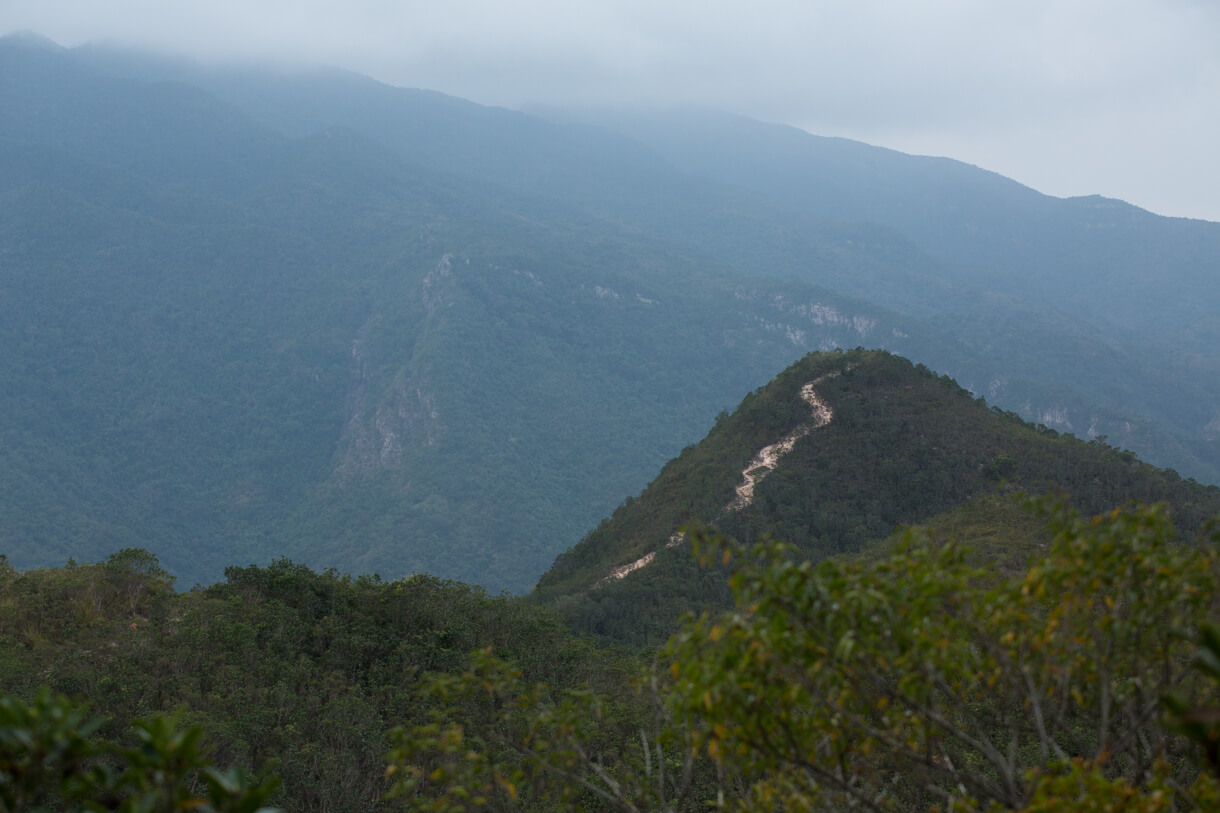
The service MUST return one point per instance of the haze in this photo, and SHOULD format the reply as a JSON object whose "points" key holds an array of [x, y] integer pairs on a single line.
{"points": [[1114, 97]]}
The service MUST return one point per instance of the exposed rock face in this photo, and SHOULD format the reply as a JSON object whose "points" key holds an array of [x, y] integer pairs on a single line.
{"points": [[1055, 416], [621, 572], [811, 325], [432, 288], [677, 538], [372, 442], [375, 437]]}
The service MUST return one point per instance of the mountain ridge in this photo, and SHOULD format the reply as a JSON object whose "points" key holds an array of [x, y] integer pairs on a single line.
{"points": [[976, 220], [208, 289], [861, 442]]}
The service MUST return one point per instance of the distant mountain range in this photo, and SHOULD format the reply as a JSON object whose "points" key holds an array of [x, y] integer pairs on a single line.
{"points": [[249, 313]]}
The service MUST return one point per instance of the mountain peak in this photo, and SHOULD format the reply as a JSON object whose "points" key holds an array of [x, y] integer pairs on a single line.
{"points": [[831, 456], [30, 40]]}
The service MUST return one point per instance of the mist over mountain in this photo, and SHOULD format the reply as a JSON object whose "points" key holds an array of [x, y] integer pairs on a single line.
{"points": [[1105, 259], [253, 313]]}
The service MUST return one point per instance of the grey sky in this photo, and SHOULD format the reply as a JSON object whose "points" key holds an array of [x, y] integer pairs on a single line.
{"points": [[1072, 97]]}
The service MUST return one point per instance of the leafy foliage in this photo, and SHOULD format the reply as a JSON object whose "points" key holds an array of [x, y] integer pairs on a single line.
{"points": [[498, 743], [909, 680], [281, 665], [920, 679], [904, 679], [49, 758], [903, 446], [1201, 723]]}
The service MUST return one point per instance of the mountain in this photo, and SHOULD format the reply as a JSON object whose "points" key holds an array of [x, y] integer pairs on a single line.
{"points": [[253, 313], [832, 455], [1112, 262], [322, 679], [1143, 284], [1119, 300], [229, 344]]}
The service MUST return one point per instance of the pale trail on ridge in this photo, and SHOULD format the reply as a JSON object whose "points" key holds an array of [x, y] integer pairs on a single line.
{"points": [[759, 467], [764, 462]]}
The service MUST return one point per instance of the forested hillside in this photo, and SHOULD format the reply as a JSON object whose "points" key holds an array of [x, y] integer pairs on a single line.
{"points": [[238, 345], [254, 313], [287, 352], [869, 653], [896, 444], [1113, 263], [1091, 278], [899, 681], [286, 668]]}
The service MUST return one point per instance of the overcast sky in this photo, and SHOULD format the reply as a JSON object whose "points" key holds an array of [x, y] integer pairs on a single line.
{"points": [[1071, 97]]}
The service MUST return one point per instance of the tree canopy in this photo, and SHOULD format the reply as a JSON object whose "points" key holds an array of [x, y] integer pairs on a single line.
{"points": [[916, 680]]}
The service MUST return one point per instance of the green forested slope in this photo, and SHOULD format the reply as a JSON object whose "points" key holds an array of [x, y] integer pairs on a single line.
{"points": [[237, 345], [446, 343], [324, 679], [1086, 314], [1025, 278], [863, 665], [1108, 261], [903, 446], [287, 669]]}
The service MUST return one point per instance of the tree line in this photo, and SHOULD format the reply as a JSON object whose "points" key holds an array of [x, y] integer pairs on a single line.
{"points": [[918, 678]]}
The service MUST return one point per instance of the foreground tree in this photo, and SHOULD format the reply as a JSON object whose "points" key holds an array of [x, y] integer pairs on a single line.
{"points": [[916, 680], [920, 679], [499, 743], [907, 681], [51, 760]]}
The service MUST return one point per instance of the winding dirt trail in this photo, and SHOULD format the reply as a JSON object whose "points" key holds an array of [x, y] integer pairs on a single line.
{"points": [[759, 467], [764, 462], [621, 572]]}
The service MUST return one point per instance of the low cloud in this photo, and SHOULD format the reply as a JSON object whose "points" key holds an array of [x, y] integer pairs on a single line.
{"points": [[1110, 96]]}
